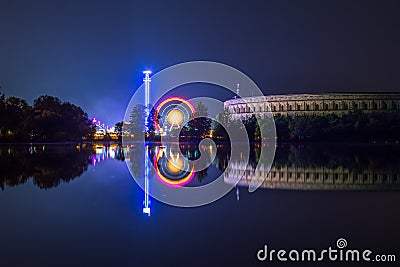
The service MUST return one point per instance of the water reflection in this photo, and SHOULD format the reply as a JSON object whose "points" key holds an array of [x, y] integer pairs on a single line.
{"points": [[307, 166], [50, 165], [172, 171], [324, 167], [102, 152]]}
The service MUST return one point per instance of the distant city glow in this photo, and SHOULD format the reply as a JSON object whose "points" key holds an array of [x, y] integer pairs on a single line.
{"points": [[101, 130]]}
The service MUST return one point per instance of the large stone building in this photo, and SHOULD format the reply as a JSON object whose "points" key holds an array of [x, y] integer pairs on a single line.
{"points": [[298, 104]]}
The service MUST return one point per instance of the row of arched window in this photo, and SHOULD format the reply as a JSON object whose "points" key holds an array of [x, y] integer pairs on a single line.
{"points": [[346, 176], [320, 106]]}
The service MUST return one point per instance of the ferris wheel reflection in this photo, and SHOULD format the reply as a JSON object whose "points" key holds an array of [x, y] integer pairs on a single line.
{"points": [[171, 168]]}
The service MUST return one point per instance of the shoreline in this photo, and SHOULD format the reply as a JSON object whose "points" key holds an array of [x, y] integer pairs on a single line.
{"points": [[196, 141]]}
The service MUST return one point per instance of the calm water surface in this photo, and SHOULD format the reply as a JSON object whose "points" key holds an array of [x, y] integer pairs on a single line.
{"points": [[79, 206]]}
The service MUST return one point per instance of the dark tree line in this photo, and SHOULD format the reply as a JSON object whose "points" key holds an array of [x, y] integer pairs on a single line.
{"points": [[353, 126], [47, 120]]}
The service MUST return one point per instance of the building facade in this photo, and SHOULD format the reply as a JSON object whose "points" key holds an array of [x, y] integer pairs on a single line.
{"points": [[320, 104]]}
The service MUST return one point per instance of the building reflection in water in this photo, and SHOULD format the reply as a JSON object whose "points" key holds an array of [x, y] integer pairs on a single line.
{"points": [[323, 167]]}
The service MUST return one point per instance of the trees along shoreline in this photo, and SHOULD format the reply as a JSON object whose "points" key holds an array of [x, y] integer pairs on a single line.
{"points": [[357, 126], [47, 120]]}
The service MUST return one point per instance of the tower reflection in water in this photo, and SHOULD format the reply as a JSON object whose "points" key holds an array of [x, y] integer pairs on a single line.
{"points": [[169, 168], [147, 166]]}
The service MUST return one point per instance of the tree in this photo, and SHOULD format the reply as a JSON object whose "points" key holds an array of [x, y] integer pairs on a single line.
{"points": [[118, 127], [75, 123], [219, 130], [136, 125], [251, 125], [200, 126], [47, 120], [15, 111], [151, 123], [2, 114]]}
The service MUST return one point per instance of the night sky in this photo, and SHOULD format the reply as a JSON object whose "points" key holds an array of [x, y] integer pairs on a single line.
{"points": [[92, 53]]}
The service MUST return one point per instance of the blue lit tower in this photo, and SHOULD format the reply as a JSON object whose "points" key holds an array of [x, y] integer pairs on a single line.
{"points": [[147, 81], [146, 201]]}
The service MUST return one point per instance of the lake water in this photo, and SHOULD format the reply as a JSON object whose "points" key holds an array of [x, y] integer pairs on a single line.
{"points": [[63, 205]]}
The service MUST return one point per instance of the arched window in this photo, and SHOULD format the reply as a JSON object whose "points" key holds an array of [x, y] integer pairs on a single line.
{"points": [[394, 105], [363, 105]]}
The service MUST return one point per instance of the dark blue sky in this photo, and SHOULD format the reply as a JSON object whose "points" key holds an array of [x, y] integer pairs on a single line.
{"points": [[92, 53]]}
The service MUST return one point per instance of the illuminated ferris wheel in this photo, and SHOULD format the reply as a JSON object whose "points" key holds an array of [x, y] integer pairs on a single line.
{"points": [[172, 113]]}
